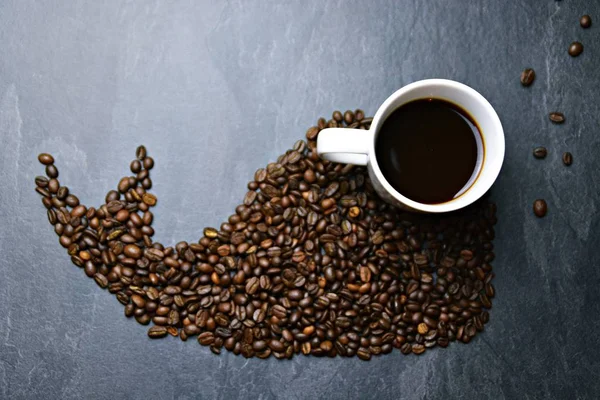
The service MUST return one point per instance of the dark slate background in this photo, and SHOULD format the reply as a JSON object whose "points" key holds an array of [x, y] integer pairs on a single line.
{"points": [[216, 91]]}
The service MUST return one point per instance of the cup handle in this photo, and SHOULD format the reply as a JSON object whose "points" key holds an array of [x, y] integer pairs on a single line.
{"points": [[345, 145]]}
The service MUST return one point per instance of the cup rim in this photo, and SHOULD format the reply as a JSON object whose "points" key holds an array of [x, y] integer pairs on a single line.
{"points": [[492, 169]]}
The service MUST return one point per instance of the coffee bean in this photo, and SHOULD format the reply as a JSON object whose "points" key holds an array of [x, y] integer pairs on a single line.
{"points": [[148, 163], [57, 203], [366, 123], [540, 208], [44, 192], [365, 274], [250, 197], [132, 251], [276, 346], [62, 192], [149, 199], [52, 217], [53, 186], [154, 254], [311, 133], [78, 211], [140, 153], [51, 171], [359, 115], [210, 233], [41, 181], [585, 21], [540, 152], [348, 117], [252, 285], [575, 49], [72, 201], [354, 212], [206, 338], [567, 158], [123, 185], [363, 354], [418, 348], [406, 348], [527, 77], [295, 295], [101, 280], [470, 330], [138, 300], [135, 166], [46, 159], [557, 117], [157, 332], [310, 176], [46, 201]]}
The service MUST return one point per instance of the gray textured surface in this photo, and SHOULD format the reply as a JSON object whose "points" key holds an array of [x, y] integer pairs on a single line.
{"points": [[216, 91]]}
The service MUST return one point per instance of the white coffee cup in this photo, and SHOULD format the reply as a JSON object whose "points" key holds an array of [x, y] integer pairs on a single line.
{"points": [[353, 146]]}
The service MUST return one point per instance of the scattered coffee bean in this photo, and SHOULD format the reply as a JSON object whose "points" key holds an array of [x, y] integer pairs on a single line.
{"points": [[567, 158], [312, 262], [46, 159], [585, 21], [540, 208], [527, 77], [575, 49], [557, 117], [540, 152]]}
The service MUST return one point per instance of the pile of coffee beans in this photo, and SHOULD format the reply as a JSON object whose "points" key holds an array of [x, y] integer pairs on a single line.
{"points": [[311, 262]]}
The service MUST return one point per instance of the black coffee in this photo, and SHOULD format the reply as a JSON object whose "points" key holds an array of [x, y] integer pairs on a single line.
{"points": [[427, 150]]}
